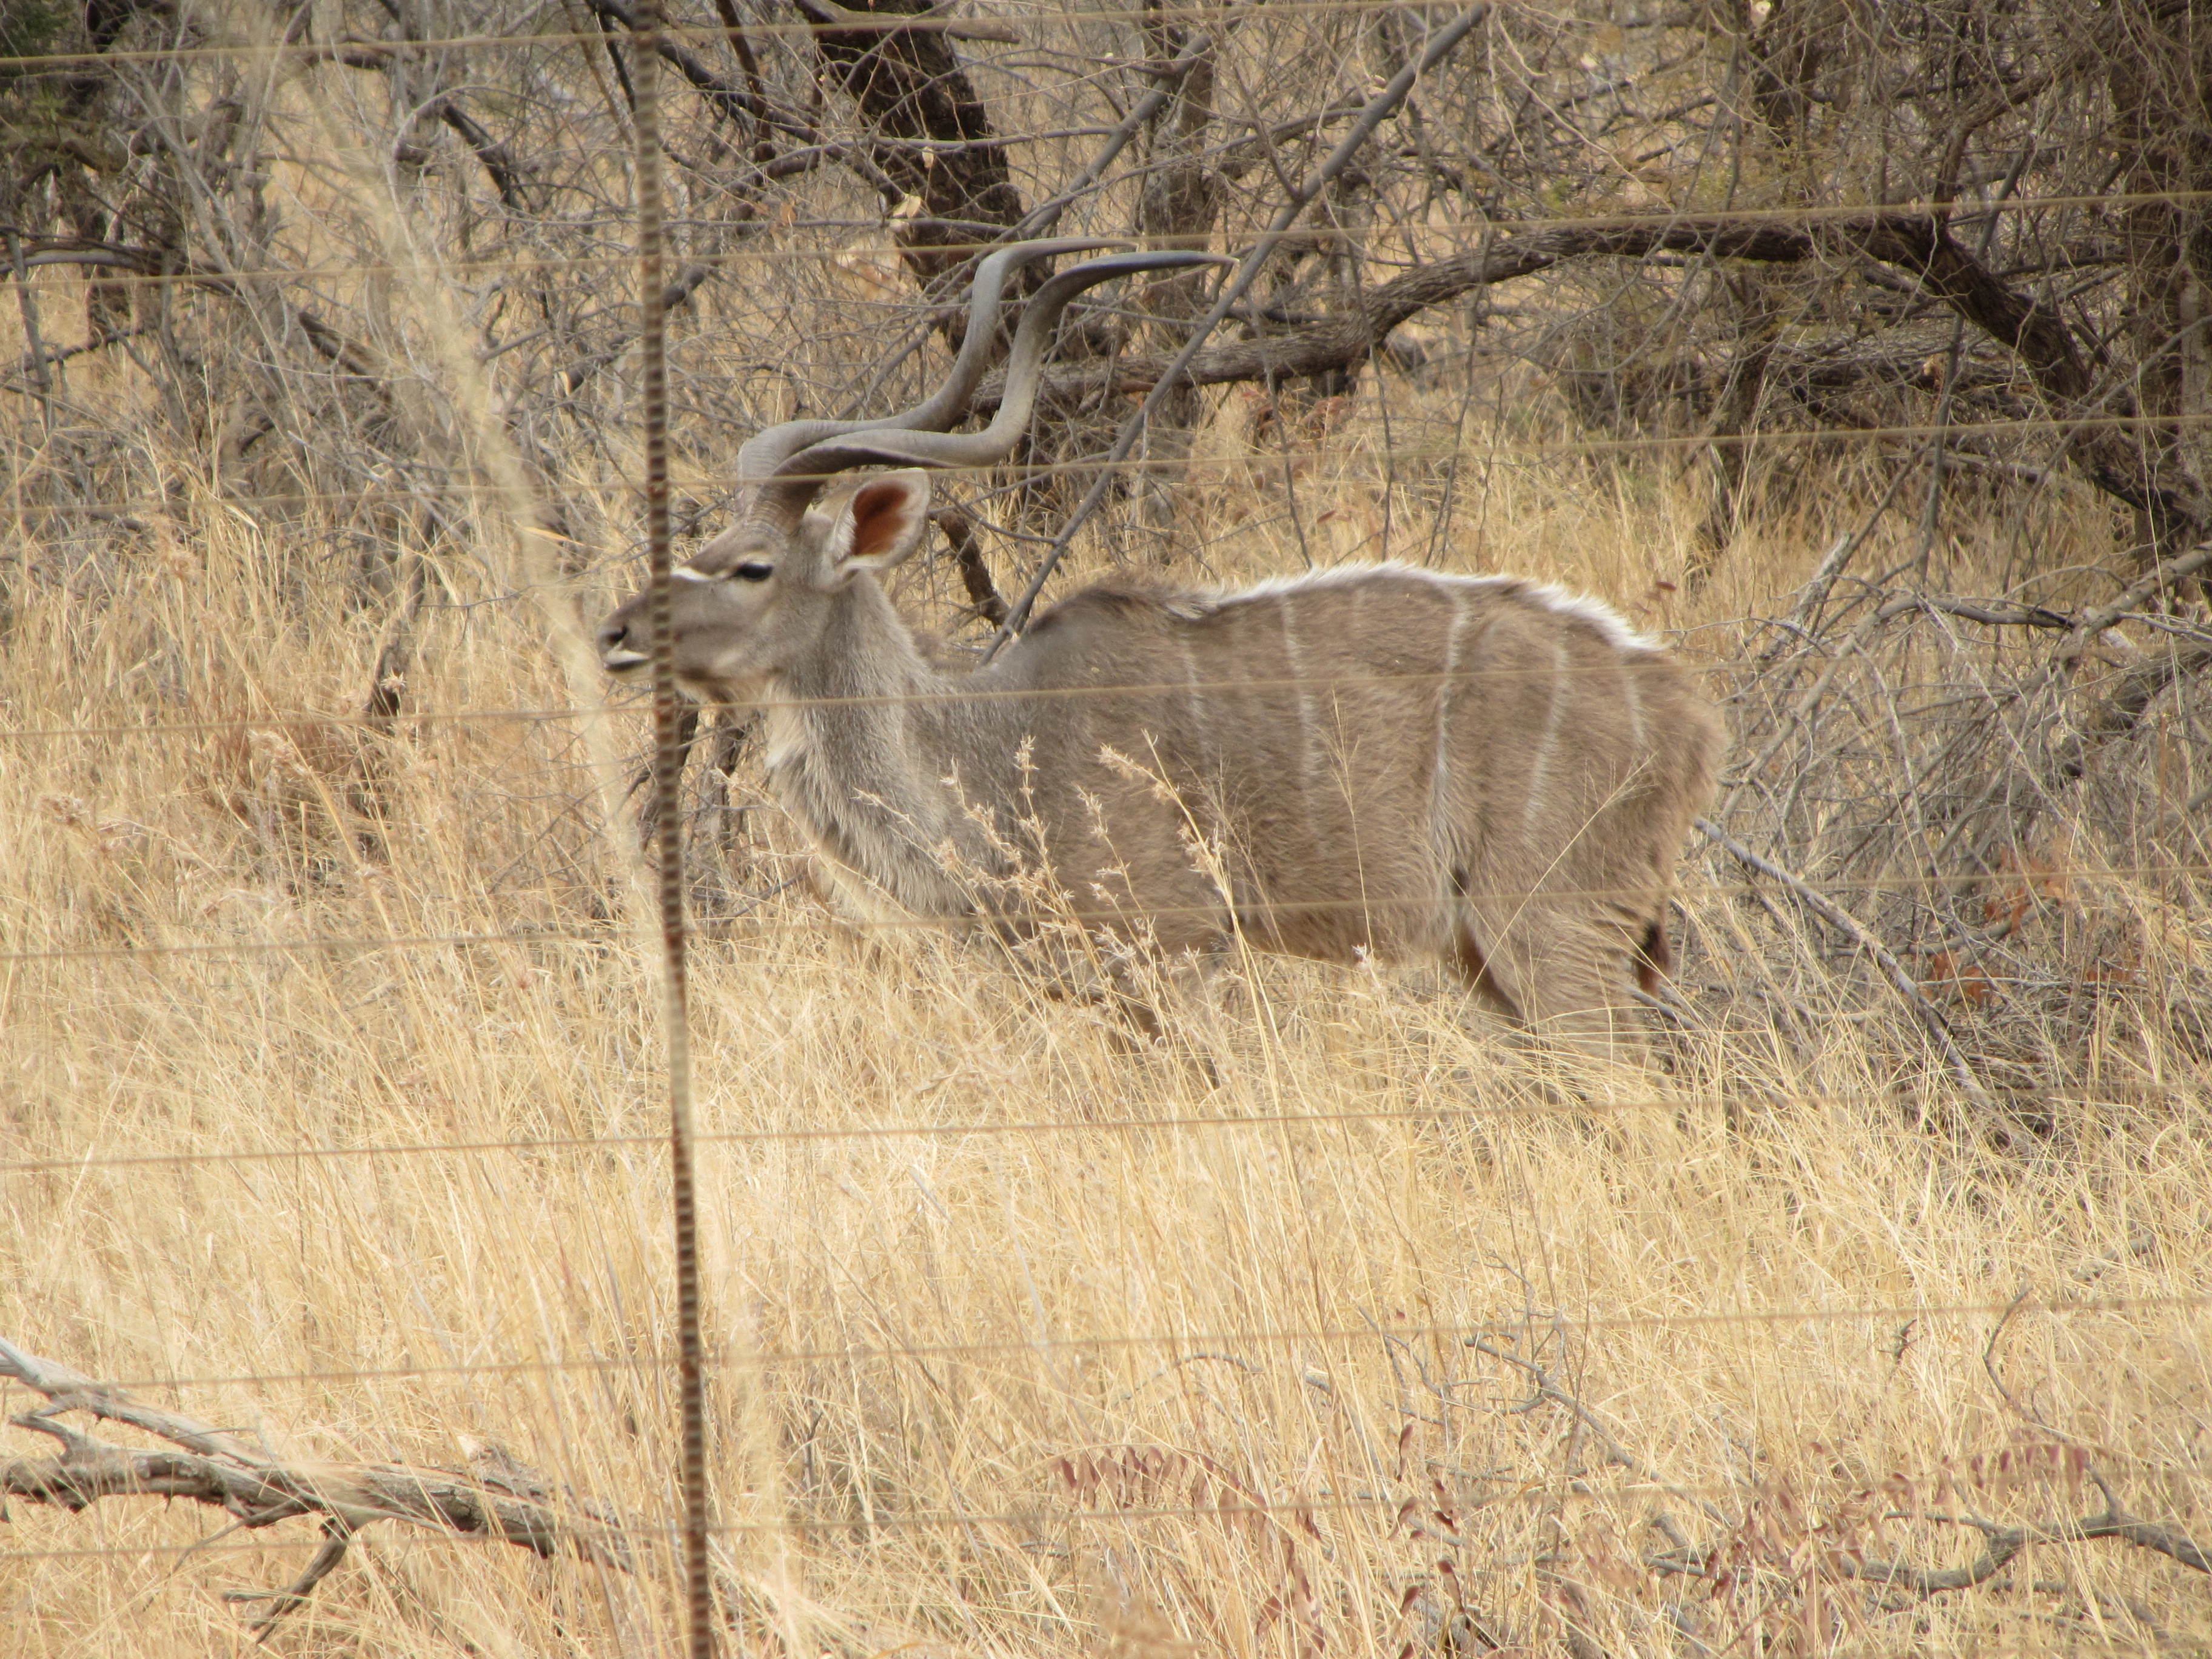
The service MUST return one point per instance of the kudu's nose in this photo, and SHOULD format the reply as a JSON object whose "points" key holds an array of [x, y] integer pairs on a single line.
{"points": [[617, 649]]}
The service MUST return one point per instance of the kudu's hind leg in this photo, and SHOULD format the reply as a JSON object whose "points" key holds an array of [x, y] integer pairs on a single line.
{"points": [[1578, 993], [1561, 981]]}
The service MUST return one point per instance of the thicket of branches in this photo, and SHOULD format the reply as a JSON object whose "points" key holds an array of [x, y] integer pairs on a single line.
{"points": [[1998, 209], [1955, 256]]}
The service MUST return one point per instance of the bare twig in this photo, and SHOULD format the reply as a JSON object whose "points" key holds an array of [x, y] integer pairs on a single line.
{"points": [[1608, 1442], [337, 1535], [724, 96], [1828, 910], [673, 294], [1040, 219], [2091, 623], [34, 363], [28, 302], [1997, 614]]}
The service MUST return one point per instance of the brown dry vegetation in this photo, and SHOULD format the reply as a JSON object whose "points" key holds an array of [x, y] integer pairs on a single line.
{"points": [[330, 1090]]}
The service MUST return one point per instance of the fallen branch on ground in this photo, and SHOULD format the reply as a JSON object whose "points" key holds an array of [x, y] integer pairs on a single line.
{"points": [[2006, 1543], [501, 1498], [1837, 1555], [2003, 1544]]}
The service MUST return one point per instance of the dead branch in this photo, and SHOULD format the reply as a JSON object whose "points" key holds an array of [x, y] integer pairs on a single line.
{"points": [[725, 97], [1615, 1453], [1918, 244], [499, 162], [1040, 219], [503, 1499], [2066, 752], [2091, 623], [1907, 987], [2122, 708], [974, 573], [675, 293], [2005, 1542], [907, 84], [1997, 614]]}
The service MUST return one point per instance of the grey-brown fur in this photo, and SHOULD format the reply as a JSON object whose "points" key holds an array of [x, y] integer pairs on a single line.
{"points": [[1377, 760], [1389, 760]]}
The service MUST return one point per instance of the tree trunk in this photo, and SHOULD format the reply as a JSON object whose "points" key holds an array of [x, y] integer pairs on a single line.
{"points": [[1180, 204], [2159, 66], [910, 87]]}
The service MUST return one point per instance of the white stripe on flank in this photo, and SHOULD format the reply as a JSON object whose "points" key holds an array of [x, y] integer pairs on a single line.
{"points": [[1294, 660], [1191, 700], [1439, 783], [1542, 767]]}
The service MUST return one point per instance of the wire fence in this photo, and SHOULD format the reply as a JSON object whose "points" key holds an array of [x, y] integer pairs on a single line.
{"points": [[1438, 1116], [431, 342]]}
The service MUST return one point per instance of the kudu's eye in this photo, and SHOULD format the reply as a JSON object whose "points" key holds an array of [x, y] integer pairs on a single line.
{"points": [[753, 570]]}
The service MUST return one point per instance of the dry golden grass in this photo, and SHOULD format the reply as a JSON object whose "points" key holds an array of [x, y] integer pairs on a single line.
{"points": [[1004, 1307]]}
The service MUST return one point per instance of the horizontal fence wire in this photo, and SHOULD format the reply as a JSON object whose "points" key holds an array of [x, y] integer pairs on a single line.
{"points": [[276, 51], [1264, 1337], [883, 23], [1484, 451], [294, 721], [958, 691], [52, 253], [1439, 1114], [1469, 453], [606, 933]]}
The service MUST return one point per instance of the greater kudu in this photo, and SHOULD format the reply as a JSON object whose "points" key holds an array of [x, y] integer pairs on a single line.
{"points": [[1370, 759]]}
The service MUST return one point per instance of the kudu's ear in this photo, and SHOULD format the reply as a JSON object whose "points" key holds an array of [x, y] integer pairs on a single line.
{"points": [[879, 523]]}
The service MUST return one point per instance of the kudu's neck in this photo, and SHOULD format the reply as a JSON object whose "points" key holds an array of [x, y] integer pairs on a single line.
{"points": [[862, 738]]}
